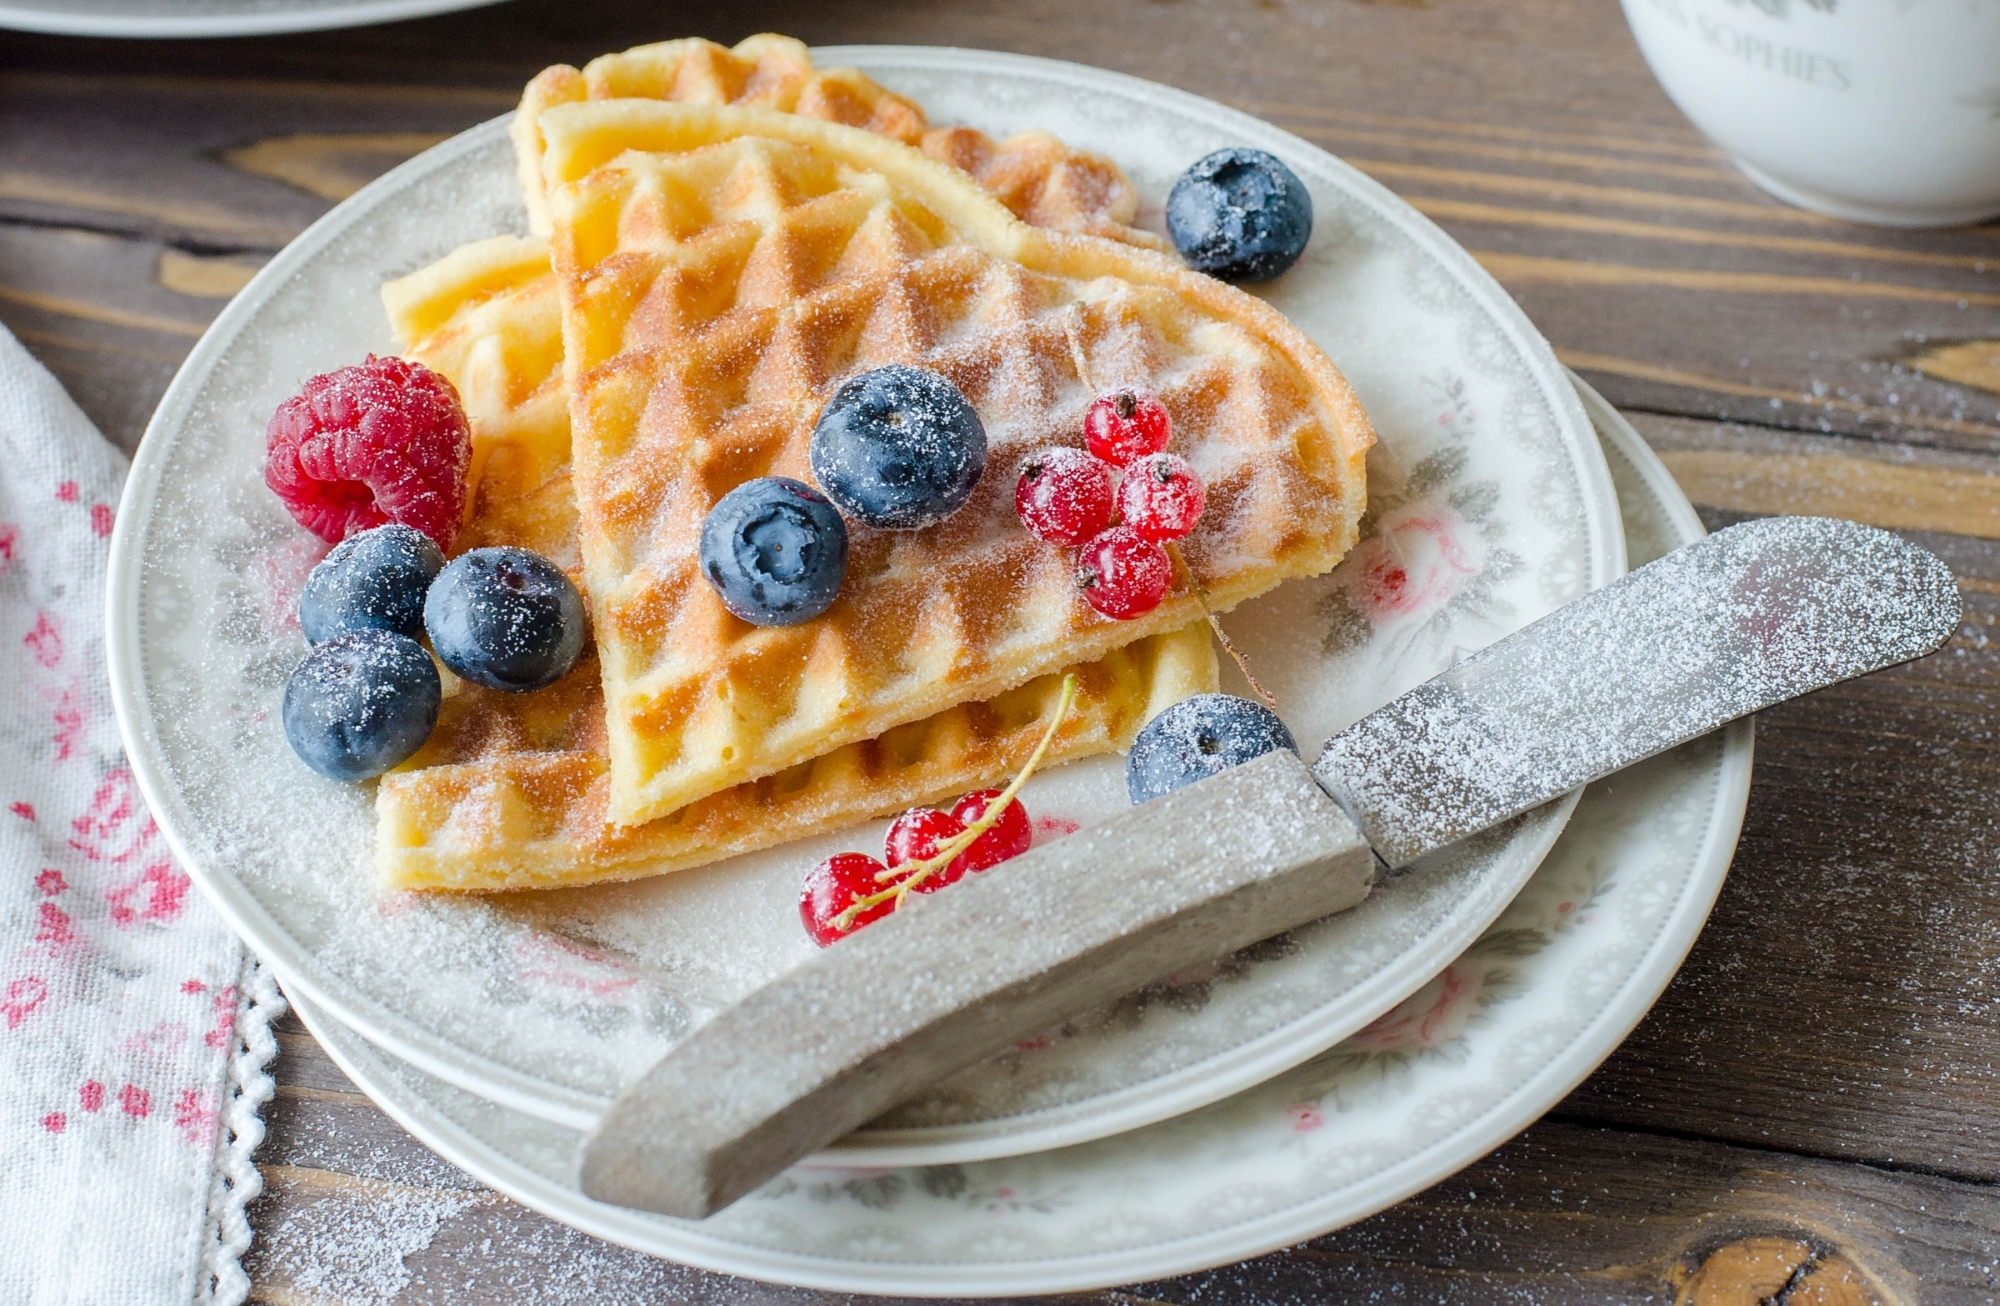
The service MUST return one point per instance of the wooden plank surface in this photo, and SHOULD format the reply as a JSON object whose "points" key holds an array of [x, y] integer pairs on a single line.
{"points": [[1568, 1213], [1811, 1112], [1529, 130]]}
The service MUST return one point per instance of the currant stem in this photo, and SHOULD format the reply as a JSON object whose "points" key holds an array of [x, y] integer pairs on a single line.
{"points": [[1215, 624], [1076, 349], [915, 873]]}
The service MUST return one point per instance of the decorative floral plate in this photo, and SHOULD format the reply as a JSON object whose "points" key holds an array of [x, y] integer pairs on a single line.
{"points": [[1489, 505], [1487, 1045]]}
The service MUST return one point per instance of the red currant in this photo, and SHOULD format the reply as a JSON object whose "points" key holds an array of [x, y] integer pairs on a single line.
{"points": [[1126, 424], [1008, 837], [832, 887], [1064, 495], [915, 836], [1161, 497], [1123, 574]]}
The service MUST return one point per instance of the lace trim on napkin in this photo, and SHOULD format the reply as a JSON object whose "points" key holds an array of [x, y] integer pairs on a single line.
{"points": [[236, 1182]]}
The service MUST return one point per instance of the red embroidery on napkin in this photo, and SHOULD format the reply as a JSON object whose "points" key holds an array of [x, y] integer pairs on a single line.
{"points": [[119, 830], [106, 832], [91, 1095], [51, 882], [102, 519], [135, 1101], [166, 893], [45, 641], [223, 1031], [197, 1116], [53, 927], [66, 492], [70, 718], [162, 1040], [54, 1122], [10, 535], [22, 997], [26, 811], [193, 986]]}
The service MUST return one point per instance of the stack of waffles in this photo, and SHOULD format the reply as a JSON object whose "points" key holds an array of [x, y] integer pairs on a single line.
{"points": [[723, 237]]}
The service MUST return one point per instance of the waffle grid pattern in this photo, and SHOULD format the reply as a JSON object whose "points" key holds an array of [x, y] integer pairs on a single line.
{"points": [[512, 790], [1036, 176], [536, 818], [724, 269]]}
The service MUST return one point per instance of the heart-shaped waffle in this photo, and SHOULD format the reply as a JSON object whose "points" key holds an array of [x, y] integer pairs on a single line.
{"points": [[723, 269]]}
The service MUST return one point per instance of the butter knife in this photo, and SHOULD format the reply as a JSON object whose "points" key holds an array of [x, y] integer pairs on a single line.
{"points": [[1746, 618]]}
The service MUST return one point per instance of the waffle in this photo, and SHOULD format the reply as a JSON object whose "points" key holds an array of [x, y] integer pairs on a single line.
{"points": [[723, 269], [537, 818], [1035, 175], [511, 790]]}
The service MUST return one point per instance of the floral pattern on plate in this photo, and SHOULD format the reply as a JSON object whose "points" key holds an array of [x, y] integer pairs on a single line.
{"points": [[1538, 1001], [551, 1002]]}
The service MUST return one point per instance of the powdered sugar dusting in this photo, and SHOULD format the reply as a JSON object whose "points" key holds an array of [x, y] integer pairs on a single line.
{"points": [[1749, 617], [350, 1243], [565, 997]]}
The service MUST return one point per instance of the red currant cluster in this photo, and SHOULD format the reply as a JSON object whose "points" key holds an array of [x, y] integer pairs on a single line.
{"points": [[1066, 496], [837, 885]]}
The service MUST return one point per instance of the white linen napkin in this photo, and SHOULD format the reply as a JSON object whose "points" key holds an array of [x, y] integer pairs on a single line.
{"points": [[133, 1028]]}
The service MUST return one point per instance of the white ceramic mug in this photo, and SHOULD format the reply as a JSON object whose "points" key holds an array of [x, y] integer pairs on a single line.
{"points": [[1882, 111]]}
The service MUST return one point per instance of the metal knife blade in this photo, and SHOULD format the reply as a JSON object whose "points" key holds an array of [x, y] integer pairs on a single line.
{"points": [[1737, 622]]}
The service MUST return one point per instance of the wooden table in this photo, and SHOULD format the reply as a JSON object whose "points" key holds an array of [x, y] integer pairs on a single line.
{"points": [[1812, 1112]]}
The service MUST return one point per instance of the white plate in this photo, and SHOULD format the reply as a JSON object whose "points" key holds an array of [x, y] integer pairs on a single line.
{"points": [[1496, 1039], [1490, 506], [192, 18]]}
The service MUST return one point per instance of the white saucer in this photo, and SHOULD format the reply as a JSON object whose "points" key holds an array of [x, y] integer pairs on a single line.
{"points": [[1490, 505], [178, 19], [1492, 1042]]}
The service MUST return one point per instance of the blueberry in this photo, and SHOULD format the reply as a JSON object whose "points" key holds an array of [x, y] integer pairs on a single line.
{"points": [[776, 551], [372, 581], [505, 618], [360, 703], [1240, 215], [898, 448], [1199, 737]]}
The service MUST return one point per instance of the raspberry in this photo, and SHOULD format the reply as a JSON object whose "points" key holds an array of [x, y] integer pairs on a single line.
{"points": [[1125, 425], [832, 887], [1064, 496], [916, 834], [1123, 574], [1161, 497], [363, 446], [1009, 837]]}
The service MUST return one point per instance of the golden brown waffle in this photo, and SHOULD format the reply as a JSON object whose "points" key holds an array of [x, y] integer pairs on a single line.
{"points": [[1035, 175], [511, 790], [724, 269], [537, 818], [488, 317]]}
